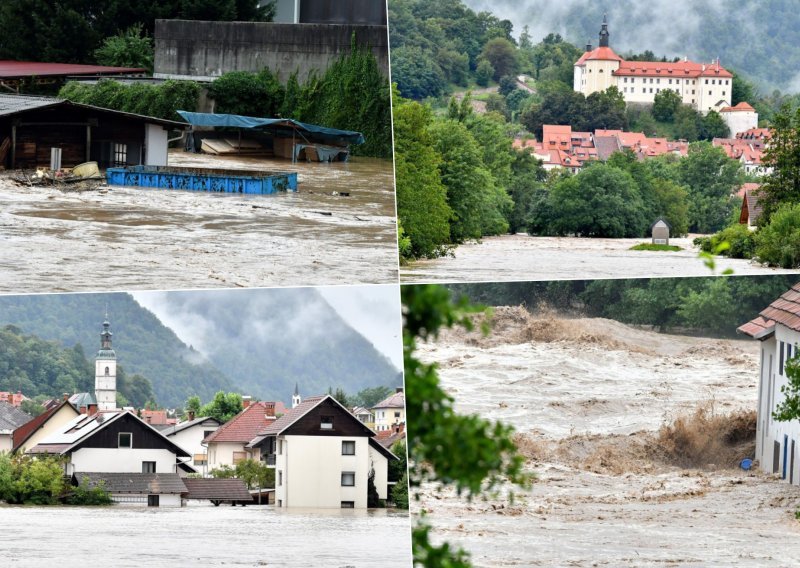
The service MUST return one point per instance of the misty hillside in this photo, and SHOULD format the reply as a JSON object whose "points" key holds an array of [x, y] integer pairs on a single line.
{"points": [[143, 344], [759, 39], [266, 341]]}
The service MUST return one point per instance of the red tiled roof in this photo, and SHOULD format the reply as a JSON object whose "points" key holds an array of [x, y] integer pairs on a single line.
{"points": [[599, 53], [751, 207], [741, 107], [244, 426], [785, 311], [755, 134], [679, 69]]}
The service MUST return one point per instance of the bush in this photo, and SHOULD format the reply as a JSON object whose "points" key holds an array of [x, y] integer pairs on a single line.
{"points": [[778, 243], [85, 495], [741, 242]]}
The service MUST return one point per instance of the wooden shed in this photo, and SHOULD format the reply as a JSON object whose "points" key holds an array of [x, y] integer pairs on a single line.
{"points": [[31, 126]]}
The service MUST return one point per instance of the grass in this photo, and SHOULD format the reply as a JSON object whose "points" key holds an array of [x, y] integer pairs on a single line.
{"points": [[651, 246]]}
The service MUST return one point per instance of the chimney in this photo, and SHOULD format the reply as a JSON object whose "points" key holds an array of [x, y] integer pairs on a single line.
{"points": [[83, 409], [66, 395], [92, 409], [588, 46], [246, 401], [269, 409], [191, 415]]}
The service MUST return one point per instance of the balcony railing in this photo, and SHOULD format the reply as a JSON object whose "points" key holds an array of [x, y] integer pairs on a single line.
{"points": [[270, 459]]}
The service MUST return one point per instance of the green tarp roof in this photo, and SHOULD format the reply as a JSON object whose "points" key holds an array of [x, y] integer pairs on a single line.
{"points": [[239, 121]]}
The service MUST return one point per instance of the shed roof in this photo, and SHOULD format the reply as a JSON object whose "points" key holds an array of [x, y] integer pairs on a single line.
{"points": [[19, 69], [230, 489], [139, 483]]}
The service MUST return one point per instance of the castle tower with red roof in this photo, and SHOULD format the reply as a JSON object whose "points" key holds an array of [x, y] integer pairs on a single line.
{"points": [[704, 86]]}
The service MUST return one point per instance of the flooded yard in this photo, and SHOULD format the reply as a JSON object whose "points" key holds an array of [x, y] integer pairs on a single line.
{"points": [[123, 238], [591, 400], [521, 257], [203, 535]]}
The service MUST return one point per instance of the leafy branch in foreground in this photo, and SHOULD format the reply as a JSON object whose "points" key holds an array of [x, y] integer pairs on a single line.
{"points": [[466, 451]]}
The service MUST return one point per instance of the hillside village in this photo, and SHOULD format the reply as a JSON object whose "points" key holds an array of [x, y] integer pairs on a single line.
{"points": [[314, 454]]}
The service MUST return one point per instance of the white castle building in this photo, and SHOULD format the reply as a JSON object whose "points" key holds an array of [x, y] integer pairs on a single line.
{"points": [[703, 86]]}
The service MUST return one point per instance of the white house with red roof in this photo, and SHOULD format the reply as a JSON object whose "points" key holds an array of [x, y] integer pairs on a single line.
{"points": [[740, 118], [703, 86], [778, 329], [227, 445], [323, 456]]}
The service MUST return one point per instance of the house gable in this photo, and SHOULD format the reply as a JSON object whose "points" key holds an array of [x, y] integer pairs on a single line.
{"points": [[143, 437]]}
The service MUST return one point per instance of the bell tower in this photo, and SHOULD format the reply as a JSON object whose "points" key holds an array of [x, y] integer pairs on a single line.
{"points": [[604, 32], [105, 371], [296, 396]]}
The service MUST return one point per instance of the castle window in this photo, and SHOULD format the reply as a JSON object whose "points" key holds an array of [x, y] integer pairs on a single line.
{"points": [[651, 89], [107, 372], [644, 90], [601, 70], [726, 81], [706, 81], [723, 93], [709, 92], [658, 81], [670, 81]]}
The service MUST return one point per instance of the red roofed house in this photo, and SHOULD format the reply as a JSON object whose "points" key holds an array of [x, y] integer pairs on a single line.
{"points": [[323, 456], [749, 152], [12, 398], [228, 444], [703, 86], [778, 329]]}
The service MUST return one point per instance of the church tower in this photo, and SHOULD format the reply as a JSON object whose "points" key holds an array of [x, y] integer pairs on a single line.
{"points": [[105, 371], [296, 400], [604, 32]]}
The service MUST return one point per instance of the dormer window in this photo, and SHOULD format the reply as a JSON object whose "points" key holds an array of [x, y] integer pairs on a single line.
{"points": [[326, 423], [124, 440]]}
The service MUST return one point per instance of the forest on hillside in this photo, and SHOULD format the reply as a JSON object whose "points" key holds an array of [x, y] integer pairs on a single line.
{"points": [[713, 306]]}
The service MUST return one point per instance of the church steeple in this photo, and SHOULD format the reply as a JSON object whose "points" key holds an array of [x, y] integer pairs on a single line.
{"points": [[604, 32], [296, 400], [105, 371]]}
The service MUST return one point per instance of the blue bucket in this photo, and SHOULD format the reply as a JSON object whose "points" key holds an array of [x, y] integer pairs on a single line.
{"points": [[746, 464]]}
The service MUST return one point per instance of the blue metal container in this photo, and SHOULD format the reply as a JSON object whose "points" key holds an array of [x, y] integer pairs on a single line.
{"points": [[203, 179]]}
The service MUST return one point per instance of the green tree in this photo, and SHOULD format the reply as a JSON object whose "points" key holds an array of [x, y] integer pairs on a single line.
{"points": [[422, 206], [742, 90], [484, 73], [465, 451], [665, 104], [373, 499], [250, 94], [129, 48], [783, 156], [712, 126], [32, 407], [371, 396], [193, 405], [255, 474], [789, 408], [416, 75], [223, 406], [778, 243], [502, 55]]}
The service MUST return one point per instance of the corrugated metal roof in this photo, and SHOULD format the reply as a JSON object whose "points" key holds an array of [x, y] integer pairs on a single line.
{"points": [[12, 417], [12, 104], [17, 69], [146, 483]]}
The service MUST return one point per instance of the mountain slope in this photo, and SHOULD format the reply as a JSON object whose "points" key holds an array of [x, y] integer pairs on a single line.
{"points": [[142, 343], [268, 340]]}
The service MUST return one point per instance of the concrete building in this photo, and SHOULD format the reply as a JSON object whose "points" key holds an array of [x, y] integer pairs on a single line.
{"points": [[370, 12], [777, 328], [704, 86], [390, 412], [323, 457]]}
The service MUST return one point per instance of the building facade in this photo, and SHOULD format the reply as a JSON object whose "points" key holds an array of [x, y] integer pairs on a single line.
{"points": [[703, 86]]}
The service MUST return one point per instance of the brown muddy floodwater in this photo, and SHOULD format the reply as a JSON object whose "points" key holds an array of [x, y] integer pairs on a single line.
{"points": [[521, 257], [588, 398], [122, 238], [202, 535]]}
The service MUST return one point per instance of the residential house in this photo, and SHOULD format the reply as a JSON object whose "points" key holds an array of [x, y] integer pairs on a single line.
{"points": [[228, 445], [703, 86], [47, 423], [749, 152], [391, 411], [11, 418], [751, 208], [113, 441], [323, 456], [190, 434], [366, 416], [777, 328]]}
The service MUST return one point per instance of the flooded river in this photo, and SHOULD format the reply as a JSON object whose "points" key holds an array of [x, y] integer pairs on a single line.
{"points": [[203, 535], [520, 257], [138, 238], [589, 398]]}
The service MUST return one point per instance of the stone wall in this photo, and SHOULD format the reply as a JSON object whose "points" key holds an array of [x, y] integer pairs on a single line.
{"points": [[206, 50]]}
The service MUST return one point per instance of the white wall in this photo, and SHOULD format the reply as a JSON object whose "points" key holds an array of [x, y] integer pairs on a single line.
{"points": [[190, 440], [6, 441], [120, 460], [740, 121], [221, 453], [312, 467], [769, 396], [380, 464], [51, 426], [156, 145]]}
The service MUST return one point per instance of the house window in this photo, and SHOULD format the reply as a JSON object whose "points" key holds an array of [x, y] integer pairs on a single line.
{"points": [[780, 359], [152, 500], [706, 81], [280, 447], [239, 456], [120, 154], [397, 415], [348, 479], [207, 433], [348, 505], [348, 447], [280, 479], [125, 440], [200, 459], [326, 423], [148, 467]]}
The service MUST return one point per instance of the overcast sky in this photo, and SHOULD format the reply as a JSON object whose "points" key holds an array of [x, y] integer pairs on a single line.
{"points": [[373, 311]]}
